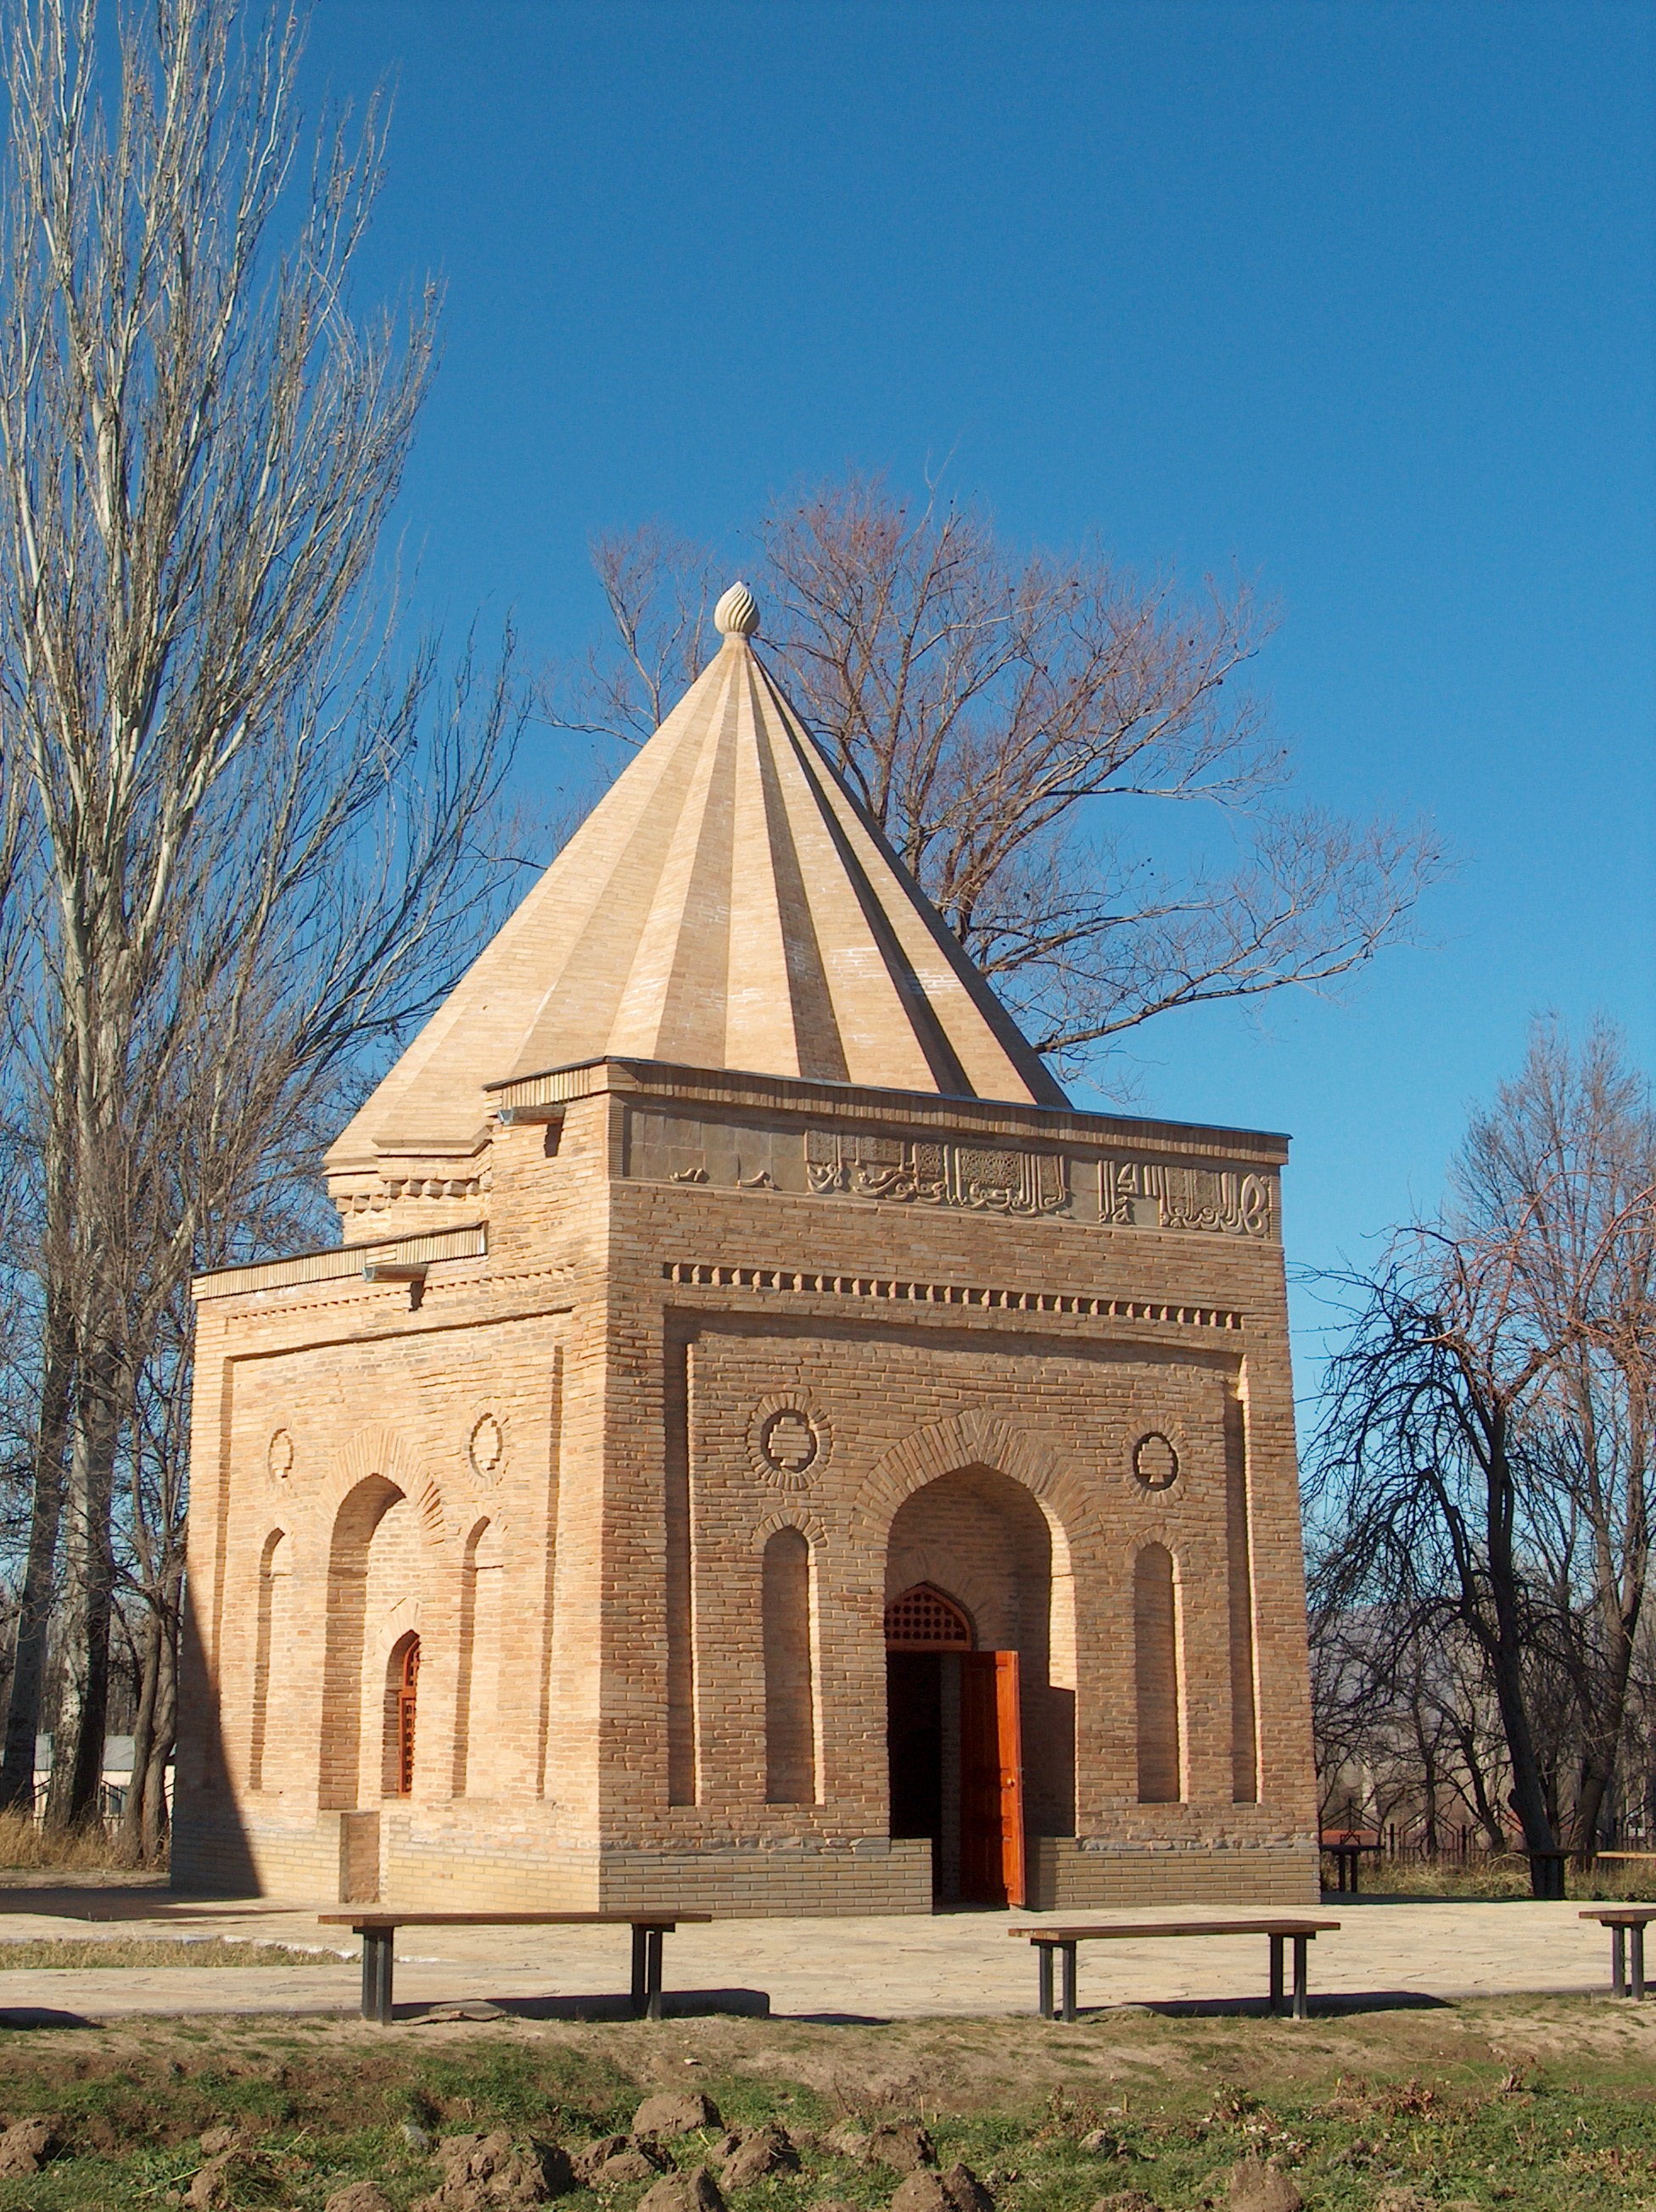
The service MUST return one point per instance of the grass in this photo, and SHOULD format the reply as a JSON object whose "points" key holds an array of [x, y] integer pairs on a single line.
{"points": [[25, 1843], [1543, 2104], [1499, 1877], [34, 1954]]}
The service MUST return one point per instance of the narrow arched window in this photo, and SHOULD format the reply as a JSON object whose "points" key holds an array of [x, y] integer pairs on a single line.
{"points": [[1156, 1637], [790, 1721], [402, 1698]]}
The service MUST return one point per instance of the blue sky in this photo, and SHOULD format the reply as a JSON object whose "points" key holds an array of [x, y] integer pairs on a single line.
{"points": [[1358, 298]]}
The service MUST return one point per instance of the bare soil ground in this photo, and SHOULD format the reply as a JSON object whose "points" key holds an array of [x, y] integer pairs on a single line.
{"points": [[1545, 2103]]}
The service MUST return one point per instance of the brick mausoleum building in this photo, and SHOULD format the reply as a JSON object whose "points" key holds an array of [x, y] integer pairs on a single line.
{"points": [[759, 1448]]}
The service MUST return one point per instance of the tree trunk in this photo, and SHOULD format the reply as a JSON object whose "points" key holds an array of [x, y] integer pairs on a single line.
{"points": [[89, 1579], [95, 999], [1620, 1600], [129, 1843], [34, 1606], [156, 1821], [1598, 1753], [1507, 1663], [1493, 1834]]}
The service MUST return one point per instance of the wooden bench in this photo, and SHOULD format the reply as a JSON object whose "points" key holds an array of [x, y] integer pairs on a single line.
{"points": [[1065, 1939], [1623, 1921], [1348, 1857], [378, 1929]]}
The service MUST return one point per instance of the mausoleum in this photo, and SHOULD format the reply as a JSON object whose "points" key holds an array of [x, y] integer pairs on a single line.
{"points": [[759, 1448]]}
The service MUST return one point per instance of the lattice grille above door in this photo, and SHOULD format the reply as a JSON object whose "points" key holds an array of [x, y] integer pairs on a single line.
{"points": [[924, 1619]]}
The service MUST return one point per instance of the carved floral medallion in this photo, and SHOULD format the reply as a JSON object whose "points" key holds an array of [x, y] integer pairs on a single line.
{"points": [[1155, 1461], [788, 1443]]}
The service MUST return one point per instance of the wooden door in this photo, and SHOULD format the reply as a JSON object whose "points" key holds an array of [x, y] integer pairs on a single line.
{"points": [[991, 1780]]}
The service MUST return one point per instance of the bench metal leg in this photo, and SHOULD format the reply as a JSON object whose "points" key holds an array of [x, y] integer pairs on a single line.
{"points": [[653, 1938], [1276, 1973], [1618, 1961], [1044, 1954], [1637, 1932], [376, 1974], [1299, 1947], [1069, 1981], [646, 1971]]}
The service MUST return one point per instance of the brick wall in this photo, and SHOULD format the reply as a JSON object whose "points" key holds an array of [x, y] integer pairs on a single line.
{"points": [[550, 1464]]}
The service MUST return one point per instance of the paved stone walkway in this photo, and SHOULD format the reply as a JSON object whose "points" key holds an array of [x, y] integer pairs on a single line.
{"points": [[962, 1965]]}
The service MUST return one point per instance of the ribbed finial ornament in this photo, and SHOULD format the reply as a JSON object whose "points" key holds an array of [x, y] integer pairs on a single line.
{"points": [[736, 614]]}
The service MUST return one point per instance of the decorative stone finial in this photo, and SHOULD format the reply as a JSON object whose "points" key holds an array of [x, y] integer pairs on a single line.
{"points": [[736, 614]]}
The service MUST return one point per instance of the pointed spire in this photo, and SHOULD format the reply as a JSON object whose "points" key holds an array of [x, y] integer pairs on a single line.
{"points": [[726, 904]]}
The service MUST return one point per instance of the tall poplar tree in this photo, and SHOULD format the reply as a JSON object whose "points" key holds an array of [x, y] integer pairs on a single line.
{"points": [[256, 817]]}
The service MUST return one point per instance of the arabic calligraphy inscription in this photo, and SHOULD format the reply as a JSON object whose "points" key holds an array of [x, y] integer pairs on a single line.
{"points": [[1221, 1199], [983, 1179]]}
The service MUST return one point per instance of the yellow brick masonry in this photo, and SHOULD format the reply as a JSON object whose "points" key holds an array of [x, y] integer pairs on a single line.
{"points": [[364, 1452]]}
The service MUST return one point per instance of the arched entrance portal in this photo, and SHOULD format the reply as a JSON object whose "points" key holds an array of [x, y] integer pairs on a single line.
{"points": [[981, 1744]]}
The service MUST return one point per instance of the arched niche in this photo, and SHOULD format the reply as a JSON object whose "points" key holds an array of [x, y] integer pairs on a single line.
{"points": [[354, 1524], [1157, 1683], [791, 1756]]}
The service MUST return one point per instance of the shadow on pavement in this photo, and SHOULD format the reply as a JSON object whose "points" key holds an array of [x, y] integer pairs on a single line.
{"points": [[1323, 2004], [162, 1906], [676, 2004]]}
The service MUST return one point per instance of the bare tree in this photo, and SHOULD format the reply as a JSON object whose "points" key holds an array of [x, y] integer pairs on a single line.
{"points": [[1403, 1723], [1414, 1473], [41, 1255], [1485, 1450], [1563, 1170], [257, 830], [985, 704]]}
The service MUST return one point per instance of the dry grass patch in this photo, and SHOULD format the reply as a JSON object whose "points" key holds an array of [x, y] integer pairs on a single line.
{"points": [[1492, 1880], [33, 1953], [25, 1843]]}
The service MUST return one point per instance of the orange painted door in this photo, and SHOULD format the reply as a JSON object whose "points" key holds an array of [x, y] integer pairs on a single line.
{"points": [[991, 1780]]}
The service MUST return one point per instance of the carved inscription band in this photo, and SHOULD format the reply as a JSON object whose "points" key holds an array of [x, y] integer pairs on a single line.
{"points": [[1006, 1178], [1185, 1198], [983, 1179]]}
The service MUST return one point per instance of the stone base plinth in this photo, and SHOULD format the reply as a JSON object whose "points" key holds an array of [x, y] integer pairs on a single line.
{"points": [[390, 1858], [1065, 1875], [394, 1858]]}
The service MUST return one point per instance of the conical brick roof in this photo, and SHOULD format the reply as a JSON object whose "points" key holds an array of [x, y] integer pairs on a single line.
{"points": [[728, 904]]}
